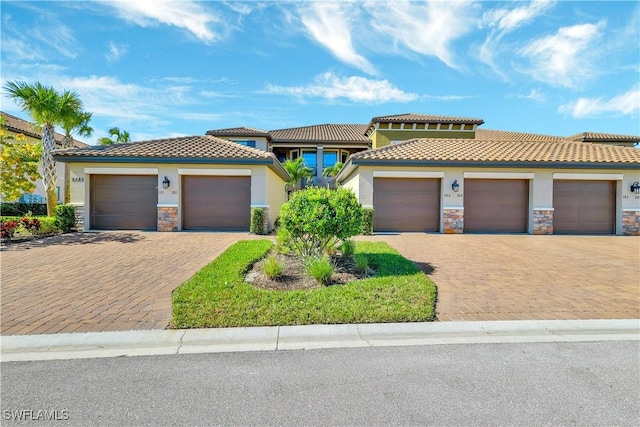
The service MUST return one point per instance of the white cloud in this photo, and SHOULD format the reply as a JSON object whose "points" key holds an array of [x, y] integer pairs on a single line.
{"points": [[533, 95], [188, 15], [354, 88], [116, 51], [565, 58], [625, 104], [330, 24], [447, 97], [426, 28]]}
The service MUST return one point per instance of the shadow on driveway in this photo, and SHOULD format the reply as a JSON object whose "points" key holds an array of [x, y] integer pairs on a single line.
{"points": [[70, 239]]}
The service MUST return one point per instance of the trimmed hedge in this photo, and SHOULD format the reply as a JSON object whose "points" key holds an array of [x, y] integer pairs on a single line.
{"points": [[65, 217], [367, 221], [21, 209], [257, 221]]}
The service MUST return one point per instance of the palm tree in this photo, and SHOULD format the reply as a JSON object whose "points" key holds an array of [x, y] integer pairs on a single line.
{"points": [[121, 136], [47, 108], [297, 170], [332, 171], [78, 123]]}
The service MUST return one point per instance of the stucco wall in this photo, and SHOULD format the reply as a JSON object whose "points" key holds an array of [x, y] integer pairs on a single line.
{"points": [[353, 183], [261, 142], [540, 188], [382, 137], [276, 195]]}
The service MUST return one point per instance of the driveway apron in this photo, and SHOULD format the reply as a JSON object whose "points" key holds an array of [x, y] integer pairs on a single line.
{"points": [[109, 281], [525, 277]]}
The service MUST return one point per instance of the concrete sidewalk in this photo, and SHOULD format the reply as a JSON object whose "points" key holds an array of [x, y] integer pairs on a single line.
{"points": [[164, 342]]}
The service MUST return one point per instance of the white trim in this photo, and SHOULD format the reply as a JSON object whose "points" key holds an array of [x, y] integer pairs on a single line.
{"points": [[215, 172], [167, 205], [631, 210], [121, 171], [367, 206], [461, 208], [589, 176], [260, 206], [407, 174], [499, 175], [543, 209]]}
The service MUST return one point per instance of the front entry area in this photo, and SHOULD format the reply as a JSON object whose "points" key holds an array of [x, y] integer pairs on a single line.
{"points": [[403, 204], [216, 202]]}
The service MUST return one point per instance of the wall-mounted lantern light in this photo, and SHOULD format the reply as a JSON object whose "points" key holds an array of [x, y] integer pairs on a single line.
{"points": [[635, 187], [166, 183], [455, 186]]}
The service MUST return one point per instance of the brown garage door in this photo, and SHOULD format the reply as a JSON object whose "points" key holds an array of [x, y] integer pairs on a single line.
{"points": [[216, 202], [496, 205], [124, 202], [584, 207], [406, 204]]}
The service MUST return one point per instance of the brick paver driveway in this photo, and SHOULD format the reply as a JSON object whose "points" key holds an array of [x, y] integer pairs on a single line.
{"points": [[100, 281], [518, 277]]}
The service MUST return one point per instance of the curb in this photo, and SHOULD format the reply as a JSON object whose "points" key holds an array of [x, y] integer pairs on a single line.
{"points": [[273, 338]]}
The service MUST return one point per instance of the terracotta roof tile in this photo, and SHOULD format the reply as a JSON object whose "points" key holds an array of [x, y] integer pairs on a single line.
{"points": [[500, 151], [595, 136], [426, 118], [239, 131], [504, 135], [322, 133], [186, 147], [18, 125]]}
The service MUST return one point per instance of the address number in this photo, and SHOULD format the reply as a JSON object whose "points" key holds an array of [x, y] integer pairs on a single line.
{"points": [[81, 179]]}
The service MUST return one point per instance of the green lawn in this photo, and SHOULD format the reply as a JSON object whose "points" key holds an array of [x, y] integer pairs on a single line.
{"points": [[217, 296]]}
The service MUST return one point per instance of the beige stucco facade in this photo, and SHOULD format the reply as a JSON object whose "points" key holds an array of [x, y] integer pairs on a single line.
{"points": [[267, 188], [360, 181]]}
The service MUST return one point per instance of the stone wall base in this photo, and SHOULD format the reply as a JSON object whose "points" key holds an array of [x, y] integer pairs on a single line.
{"points": [[79, 213], [453, 221], [542, 221], [168, 218], [631, 223]]}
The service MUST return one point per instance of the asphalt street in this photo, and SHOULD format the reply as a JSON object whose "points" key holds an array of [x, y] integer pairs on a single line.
{"points": [[586, 383]]}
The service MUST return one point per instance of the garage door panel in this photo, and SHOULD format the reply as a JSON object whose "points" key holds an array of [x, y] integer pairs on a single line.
{"points": [[496, 205], [406, 204], [584, 207], [216, 202], [123, 202]]}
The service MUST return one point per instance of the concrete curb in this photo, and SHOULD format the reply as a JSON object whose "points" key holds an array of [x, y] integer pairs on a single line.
{"points": [[271, 338]]}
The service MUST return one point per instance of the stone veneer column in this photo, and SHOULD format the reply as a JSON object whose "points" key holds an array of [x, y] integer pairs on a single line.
{"points": [[265, 215], [631, 223], [167, 218], [453, 221], [79, 214], [543, 221]]}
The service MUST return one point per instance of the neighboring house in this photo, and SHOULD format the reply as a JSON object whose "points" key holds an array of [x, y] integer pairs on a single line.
{"points": [[419, 172], [186, 183], [15, 125]]}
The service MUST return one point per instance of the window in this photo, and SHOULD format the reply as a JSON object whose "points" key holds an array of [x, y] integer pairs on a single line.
{"points": [[329, 158], [344, 156], [309, 158], [247, 143]]}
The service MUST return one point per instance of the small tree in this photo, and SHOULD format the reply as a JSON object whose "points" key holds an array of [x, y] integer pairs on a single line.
{"points": [[317, 218], [18, 164], [332, 171], [116, 136], [297, 170]]}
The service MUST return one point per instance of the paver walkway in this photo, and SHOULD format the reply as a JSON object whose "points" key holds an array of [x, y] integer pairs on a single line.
{"points": [[524, 277], [100, 281]]}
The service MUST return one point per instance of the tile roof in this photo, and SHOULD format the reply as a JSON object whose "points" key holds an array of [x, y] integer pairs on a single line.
{"points": [[500, 151], [595, 136], [322, 133], [425, 118], [239, 131], [504, 135], [18, 125]]}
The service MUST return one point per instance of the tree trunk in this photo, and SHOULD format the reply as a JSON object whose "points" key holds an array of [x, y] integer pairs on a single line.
{"points": [[67, 142], [49, 168]]}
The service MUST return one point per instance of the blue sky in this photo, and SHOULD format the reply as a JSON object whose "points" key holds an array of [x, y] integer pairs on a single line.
{"points": [[162, 69]]}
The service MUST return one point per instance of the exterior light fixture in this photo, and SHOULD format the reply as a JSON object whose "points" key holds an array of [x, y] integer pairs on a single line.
{"points": [[166, 183], [455, 186], [635, 187]]}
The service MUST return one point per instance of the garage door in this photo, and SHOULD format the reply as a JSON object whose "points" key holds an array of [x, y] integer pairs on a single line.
{"points": [[124, 202], [584, 207], [406, 204], [216, 202], [496, 205]]}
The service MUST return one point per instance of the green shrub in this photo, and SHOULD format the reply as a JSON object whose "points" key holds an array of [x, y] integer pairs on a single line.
{"points": [[320, 269], [48, 225], [65, 217], [367, 221], [362, 262], [21, 209], [257, 221], [273, 267], [283, 241], [316, 217], [348, 247]]}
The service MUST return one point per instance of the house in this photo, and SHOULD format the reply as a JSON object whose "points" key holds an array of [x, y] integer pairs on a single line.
{"points": [[186, 183], [419, 172], [14, 126]]}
